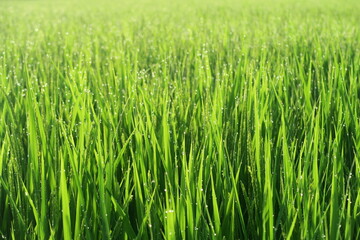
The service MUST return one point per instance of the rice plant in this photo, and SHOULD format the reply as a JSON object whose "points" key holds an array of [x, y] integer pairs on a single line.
{"points": [[180, 120]]}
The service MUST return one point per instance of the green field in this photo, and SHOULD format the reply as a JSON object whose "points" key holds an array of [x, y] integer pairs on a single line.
{"points": [[180, 119]]}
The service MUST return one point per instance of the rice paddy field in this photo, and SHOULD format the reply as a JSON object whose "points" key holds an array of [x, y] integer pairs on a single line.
{"points": [[180, 119]]}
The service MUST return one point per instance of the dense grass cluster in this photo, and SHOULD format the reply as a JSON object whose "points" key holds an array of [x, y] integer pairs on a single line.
{"points": [[186, 120]]}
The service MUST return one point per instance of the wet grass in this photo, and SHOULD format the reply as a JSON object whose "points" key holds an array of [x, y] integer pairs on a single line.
{"points": [[185, 120]]}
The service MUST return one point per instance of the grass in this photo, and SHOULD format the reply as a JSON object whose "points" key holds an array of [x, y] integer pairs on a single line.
{"points": [[182, 120]]}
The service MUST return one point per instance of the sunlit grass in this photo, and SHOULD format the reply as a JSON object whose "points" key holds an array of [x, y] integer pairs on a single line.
{"points": [[187, 120]]}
